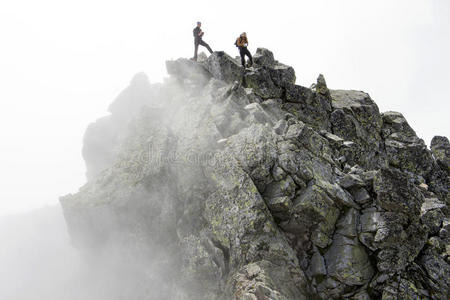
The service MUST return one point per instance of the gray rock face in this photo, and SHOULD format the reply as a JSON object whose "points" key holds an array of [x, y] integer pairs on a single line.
{"points": [[405, 150], [233, 183], [356, 118], [102, 138], [311, 107], [440, 147], [224, 67], [263, 58], [347, 259]]}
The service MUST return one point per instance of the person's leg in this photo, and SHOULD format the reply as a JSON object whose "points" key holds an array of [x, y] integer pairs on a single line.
{"points": [[242, 53], [249, 56], [195, 50], [206, 45]]}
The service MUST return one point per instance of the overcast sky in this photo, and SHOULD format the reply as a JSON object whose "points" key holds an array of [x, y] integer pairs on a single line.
{"points": [[63, 62]]}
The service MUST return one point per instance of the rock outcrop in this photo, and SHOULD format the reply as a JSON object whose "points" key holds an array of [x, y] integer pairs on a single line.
{"points": [[233, 183]]}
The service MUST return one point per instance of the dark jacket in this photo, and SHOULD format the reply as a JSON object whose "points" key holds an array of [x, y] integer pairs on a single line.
{"points": [[198, 33]]}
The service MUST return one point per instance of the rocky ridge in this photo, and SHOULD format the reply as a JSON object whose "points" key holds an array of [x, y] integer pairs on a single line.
{"points": [[232, 183]]}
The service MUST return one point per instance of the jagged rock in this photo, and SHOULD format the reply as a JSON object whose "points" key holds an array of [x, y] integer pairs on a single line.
{"points": [[341, 197], [202, 57], [98, 141], [232, 183], [224, 67], [297, 93], [263, 58], [334, 139], [347, 260], [361, 196], [440, 147], [102, 138], [255, 149], [284, 187], [350, 181], [432, 215], [356, 118], [242, 224], [188, 70], [363, 295], [423, 186], [129, 102], [260, 281], [321, 87], [395, 192], [400, 235], [310, 107], [444, 233], [317, 265], [369, 177], [261, 82], [202, 261], [282, 75], [396, 126], [258, 114], [313, 208], [403, 148], [437, 270], [438, 182], [269, 78]]}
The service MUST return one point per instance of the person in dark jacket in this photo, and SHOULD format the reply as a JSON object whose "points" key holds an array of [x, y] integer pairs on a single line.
{"points": [[242, 43], [198, 34]]}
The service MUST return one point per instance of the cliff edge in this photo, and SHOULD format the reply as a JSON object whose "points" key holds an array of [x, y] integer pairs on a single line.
{"points": [[232, 183]]}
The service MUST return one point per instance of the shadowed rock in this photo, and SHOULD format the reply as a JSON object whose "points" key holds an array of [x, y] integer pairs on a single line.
{"points": [[240, 184]]}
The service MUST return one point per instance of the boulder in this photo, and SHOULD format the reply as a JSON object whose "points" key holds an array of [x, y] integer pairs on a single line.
{"points": [[403, 148], [356, 118], [224, 67], [440, 147], [263, 58], [261, 82]]}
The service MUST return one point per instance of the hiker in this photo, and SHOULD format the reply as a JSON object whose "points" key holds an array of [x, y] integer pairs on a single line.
{"points": [[242, 43], [198, 34]]}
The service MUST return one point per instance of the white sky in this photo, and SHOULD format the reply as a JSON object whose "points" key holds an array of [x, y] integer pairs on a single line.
{"points": [[63, 62]]}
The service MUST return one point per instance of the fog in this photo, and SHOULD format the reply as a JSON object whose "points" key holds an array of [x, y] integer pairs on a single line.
{"points": [[124, 245], [37, 259], [39, 262], [61, 65]]}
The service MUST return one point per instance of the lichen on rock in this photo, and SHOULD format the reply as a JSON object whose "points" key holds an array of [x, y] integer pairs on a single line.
{"points": [[226, 182]]}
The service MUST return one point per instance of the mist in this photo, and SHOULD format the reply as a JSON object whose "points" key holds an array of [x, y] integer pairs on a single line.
{"points": [[54, 92], [65, 62], [39, 262], [98, 256], [37, 259]]}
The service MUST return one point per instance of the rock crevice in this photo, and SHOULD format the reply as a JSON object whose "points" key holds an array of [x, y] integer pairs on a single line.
{"points": [[233, 183]]}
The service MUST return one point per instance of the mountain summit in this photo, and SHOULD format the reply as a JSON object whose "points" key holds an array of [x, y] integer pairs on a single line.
{"points": [[232, 183]]}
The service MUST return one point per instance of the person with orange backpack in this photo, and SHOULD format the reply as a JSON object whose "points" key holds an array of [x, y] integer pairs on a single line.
{"points": [[242, 43]]}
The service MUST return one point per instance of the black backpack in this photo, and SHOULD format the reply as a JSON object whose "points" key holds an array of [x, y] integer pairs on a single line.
{"points": [[235, 42]]}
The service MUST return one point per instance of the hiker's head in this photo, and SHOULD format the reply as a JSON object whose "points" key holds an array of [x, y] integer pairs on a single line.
{"points": [[199, 24], [243, 34]]}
